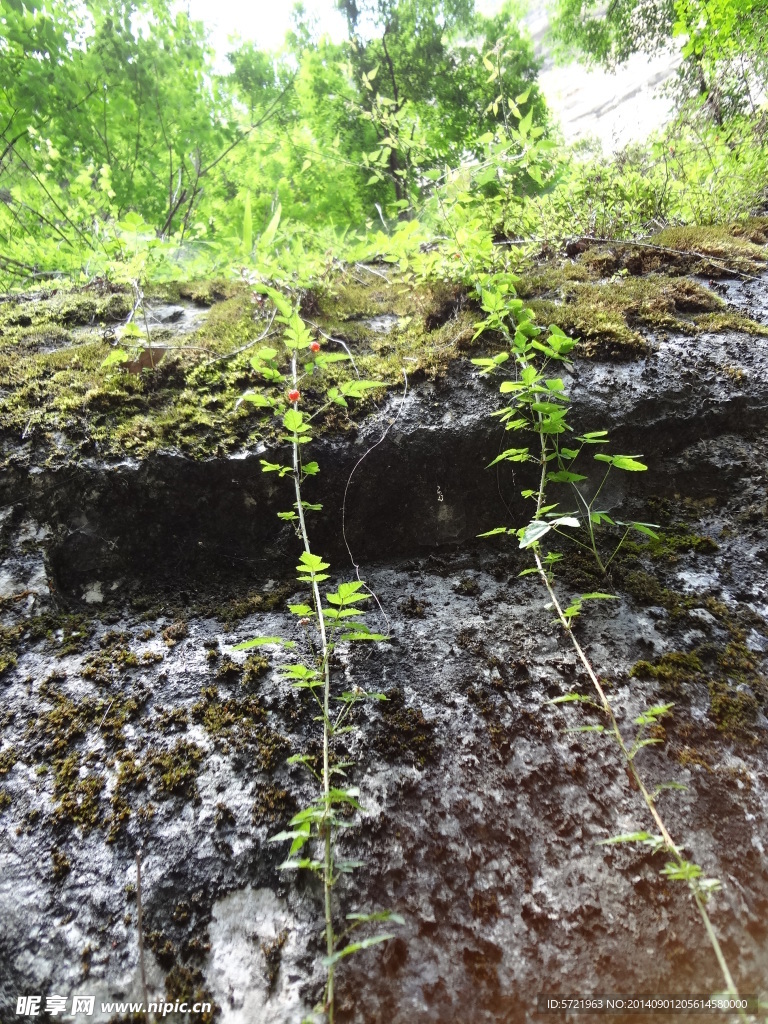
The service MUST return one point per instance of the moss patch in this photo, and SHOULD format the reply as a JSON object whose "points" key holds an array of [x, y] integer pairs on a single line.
{"points": [[607, 316], [405, 732], [65, 402], [674, 669], [239, 725]]}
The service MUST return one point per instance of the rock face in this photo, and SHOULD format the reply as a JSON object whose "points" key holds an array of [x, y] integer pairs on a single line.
{"points": [[131, 726]]}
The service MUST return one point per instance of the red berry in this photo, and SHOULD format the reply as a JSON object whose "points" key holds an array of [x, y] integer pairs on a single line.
{"points": [[294, 395], [315, 346]]}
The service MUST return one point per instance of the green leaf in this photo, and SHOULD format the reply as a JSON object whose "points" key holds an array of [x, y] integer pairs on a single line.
{"points": [[564, 476], [275, 467], [533, 533], [247, 225], [628, 837], [354, 947], [378, 915], [268, 237], [360, 635], [510, 455], [626, 462], [311, 563], [685, 871], [303, 610], [117, 355], [260, 641], [668, 785], [265, 355], [651, 715], [257, 399], [569, 698], [358, 388], [646, 529], [298, 759], [294, 421], [281, 303], [349, 593], [494, 532]]}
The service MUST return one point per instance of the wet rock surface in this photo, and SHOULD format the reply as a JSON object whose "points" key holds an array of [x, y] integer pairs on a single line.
{"points": [[130, 724]]}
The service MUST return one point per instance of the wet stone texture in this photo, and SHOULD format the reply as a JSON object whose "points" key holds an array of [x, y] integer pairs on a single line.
{"points": [[129, 724]]}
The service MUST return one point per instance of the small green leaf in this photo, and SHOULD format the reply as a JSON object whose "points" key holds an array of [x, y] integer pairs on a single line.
{"points": [[260, 641], [354, 947], [256, 398], [117, 355], [668, 785], [533, 533], [626, 462], [294, 421], [510, 455], [564, 476], [646, 529], [568, 698], [628, 837]]}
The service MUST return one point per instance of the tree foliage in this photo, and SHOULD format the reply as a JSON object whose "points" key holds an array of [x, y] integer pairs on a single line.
{"points": [[610, 35]]}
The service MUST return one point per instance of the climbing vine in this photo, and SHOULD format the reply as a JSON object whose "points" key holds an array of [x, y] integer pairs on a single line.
{"points": [[539, 406], [330, 620]]}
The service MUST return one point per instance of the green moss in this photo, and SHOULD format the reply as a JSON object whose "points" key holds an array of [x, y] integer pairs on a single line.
{"points": [[734, 711], [175, 771], [272, 805], [64, 634], [732, 246], [55, 736], [114, 658], [492, 712], [61, 864], [162, 947], [467, 586], [255, 668], [66, 401], [77, 796], [239, 723], [670, 544], [606, 316], [5, 799], [8, 759], [226, 609], [675, 670], [729, 320], [272, 952], [187, 984], [405, 732], [413, 607], [176, 631]]}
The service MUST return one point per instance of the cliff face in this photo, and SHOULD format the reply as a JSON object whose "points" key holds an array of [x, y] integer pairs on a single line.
{"points": [[130, 725]]}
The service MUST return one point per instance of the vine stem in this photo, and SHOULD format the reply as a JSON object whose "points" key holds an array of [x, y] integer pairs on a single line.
{"points": [[669, 843], [326, 779]]}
